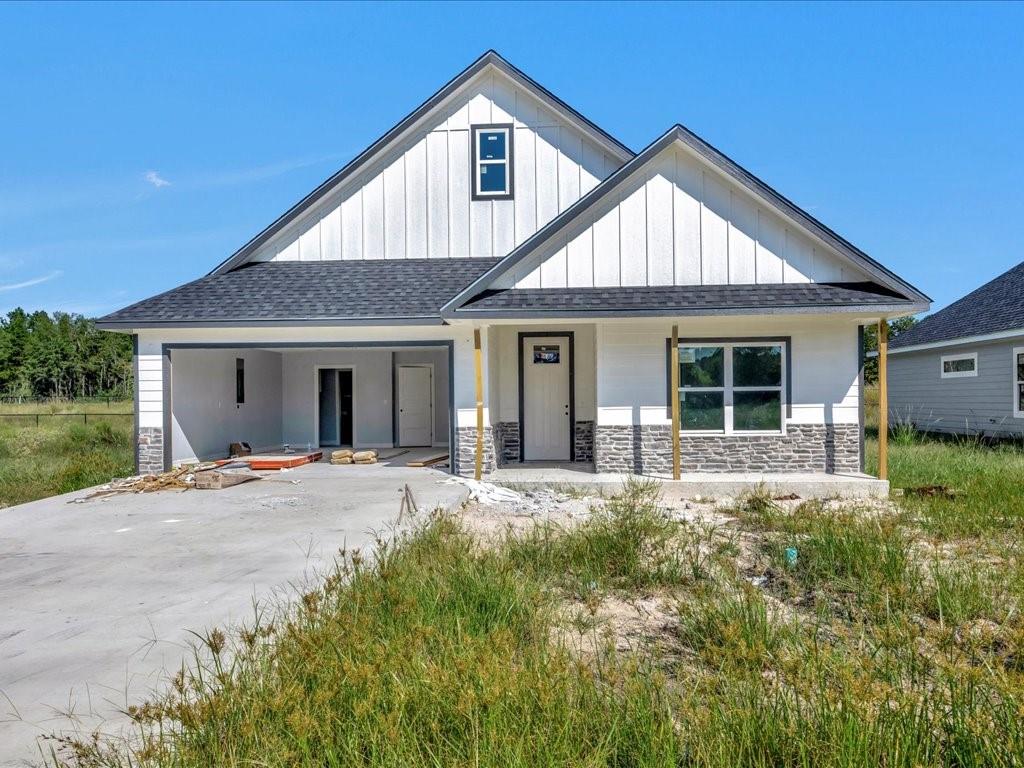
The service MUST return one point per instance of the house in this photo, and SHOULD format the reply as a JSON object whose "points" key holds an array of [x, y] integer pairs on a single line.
{"points": [[499, 275], [961, 370]]}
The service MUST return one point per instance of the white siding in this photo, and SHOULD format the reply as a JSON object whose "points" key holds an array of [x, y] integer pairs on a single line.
{"points": [[416, 201], [681, 222], [631, 367]]}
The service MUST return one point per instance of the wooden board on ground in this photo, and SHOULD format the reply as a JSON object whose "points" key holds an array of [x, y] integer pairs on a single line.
{"points": [[279, 460], [429, 460], [214, 480]]}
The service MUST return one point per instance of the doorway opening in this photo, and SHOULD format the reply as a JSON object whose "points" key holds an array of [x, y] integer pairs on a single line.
{"points": [[337, 406]]}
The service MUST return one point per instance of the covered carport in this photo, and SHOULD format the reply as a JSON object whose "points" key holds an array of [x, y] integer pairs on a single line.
{"points": [[306, 395]]}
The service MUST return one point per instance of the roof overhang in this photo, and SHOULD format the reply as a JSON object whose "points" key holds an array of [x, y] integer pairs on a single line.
{"points": [[412, 122], [980, 339], [298, 322]]}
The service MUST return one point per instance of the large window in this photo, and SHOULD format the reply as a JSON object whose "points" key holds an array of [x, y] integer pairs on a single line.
{"points": [[492, 162], [732, 387], [1018, 382], [958, 366]]}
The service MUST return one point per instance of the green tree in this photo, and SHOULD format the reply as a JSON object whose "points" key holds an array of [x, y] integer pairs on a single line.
{"points": [[896, 327]]}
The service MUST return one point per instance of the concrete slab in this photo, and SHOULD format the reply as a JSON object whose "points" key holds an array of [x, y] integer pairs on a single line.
{"points": [[812, 485], [97, 600]]}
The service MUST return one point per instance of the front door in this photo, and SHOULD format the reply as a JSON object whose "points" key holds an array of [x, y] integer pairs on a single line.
{"points": [[546, 398], [414, 411]]}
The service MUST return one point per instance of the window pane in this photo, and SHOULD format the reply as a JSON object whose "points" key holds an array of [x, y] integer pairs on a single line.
{"points": [[701, 410], [701, 367], [492, 145], [492, 177], [757, 411], [1020, 397], [964, 365], [757, 366], [1020, 367]]}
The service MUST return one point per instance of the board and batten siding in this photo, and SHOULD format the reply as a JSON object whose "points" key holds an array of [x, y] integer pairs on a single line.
{"points": [[963, 405], [416, 201], [681, 222]]}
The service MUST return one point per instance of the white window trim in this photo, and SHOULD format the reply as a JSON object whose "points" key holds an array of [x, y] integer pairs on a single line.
{"points": [[727, 390], [1018, 413], [943, 359], [476, 162]]}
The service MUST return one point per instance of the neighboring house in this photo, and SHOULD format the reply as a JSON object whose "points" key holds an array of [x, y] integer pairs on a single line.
{"points": [[962, 369], [496, 211]]}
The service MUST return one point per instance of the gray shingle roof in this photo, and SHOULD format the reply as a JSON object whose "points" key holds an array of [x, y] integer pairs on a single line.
{"points": [[684, 299], [308, 292], [996, 306]]}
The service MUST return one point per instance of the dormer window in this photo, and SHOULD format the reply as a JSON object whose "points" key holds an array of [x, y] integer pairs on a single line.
{"points": [[492, 162]]}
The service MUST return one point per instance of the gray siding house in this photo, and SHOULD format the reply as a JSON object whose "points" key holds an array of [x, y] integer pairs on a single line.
{"points": [[962, 369]]}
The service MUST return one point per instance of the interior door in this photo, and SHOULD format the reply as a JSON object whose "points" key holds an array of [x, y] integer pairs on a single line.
{"points": [[546, 398], [328, 406], [345, 408], [414, 405]]}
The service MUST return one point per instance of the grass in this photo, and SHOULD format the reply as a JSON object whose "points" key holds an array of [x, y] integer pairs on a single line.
{"points": [[895, 638], [63, 453]]}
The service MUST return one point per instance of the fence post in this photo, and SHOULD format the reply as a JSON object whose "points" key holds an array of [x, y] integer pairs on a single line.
{"points": [[37, 421], [85, 419]]}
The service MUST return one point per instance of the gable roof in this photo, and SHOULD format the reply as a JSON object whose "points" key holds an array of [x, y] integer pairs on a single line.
{"points": [[994, 308], [376, 292], [733, 170], [489, 59]]}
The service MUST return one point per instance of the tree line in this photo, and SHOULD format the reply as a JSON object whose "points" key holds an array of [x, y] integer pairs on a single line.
{"points": [[63, 355]]}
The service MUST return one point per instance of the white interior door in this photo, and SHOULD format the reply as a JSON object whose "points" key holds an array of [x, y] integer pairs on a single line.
{"points": [[415, 417], [546, 398]]}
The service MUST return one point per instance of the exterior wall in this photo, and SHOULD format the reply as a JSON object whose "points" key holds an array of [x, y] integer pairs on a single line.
{"points": [[822, 428], [682, 222], [504, 394], [981, 404], [415, 202], [206, 418]]}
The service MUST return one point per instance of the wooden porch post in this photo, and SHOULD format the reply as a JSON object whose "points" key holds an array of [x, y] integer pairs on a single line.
{"points": [[674, 394], [883, 400], [479, 366]]}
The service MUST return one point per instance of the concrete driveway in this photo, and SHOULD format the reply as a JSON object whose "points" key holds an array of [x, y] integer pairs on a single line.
{"points": [[97, 599]]}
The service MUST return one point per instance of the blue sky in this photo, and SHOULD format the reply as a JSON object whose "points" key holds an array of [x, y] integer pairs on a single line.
{"points": [[145, 143]]}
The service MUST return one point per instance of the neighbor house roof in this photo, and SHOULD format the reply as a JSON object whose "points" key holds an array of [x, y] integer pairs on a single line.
{"points": [[730, 168], [309, 293], [996, 308], [684, 300], [489, 59]]}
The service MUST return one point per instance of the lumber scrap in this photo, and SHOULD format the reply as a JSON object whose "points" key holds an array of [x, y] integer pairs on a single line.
{"points": [[428, 461], [215, 480]]}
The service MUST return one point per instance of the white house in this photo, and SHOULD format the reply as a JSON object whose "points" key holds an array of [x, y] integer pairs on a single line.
{"points": [[497, 224]]}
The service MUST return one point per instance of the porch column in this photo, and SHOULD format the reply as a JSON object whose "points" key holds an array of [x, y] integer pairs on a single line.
{"points": [[674, 394], [473, 433], [883, 400]]}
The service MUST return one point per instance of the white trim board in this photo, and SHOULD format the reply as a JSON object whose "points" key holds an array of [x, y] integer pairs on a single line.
{"points": [[963, 340]]}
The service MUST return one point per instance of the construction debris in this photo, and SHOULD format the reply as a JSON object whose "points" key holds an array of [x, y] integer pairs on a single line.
{"points": [[278, 461], [215, 480], [429, 461], [176, 479], [348, 456]]}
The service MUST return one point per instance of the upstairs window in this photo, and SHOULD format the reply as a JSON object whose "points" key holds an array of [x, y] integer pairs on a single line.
{"points": [[492, 162], [959, 366]]}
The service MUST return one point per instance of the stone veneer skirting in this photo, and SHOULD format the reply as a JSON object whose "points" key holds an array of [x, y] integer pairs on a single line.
{"points": [[150, 450], [506, 442], [465, 452], [585, 442], [804, 448]]}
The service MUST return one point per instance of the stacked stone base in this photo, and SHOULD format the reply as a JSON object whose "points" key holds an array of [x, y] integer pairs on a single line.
{"points": [[646, 449], [464, 455], [150, 450]]}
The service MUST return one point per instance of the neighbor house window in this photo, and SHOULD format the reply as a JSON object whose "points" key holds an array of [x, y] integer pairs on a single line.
{"points": [[732, 387], [239, 381], [1018, 382], [492, 162], [958, 366]]}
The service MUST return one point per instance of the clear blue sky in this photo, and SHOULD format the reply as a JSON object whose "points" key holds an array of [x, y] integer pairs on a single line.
{"points": [[143, 144]]}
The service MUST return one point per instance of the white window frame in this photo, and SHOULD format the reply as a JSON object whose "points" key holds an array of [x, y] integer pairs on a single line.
{"points": [[943, 359], [728, 389], [476, 163], [1018, 412]]}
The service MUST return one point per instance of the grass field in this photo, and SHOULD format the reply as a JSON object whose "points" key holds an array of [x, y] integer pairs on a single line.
{"points": [[636, 639], [64, 452]]}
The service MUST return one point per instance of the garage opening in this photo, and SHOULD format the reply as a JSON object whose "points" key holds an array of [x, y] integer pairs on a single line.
{"points": [[306, 397]]}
